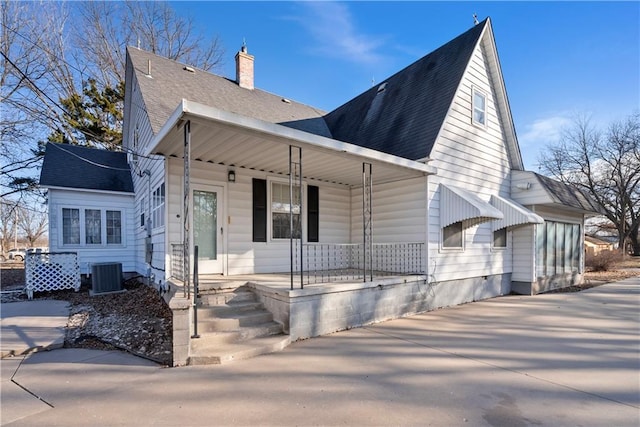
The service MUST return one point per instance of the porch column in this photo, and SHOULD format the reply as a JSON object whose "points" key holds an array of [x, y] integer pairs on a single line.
{"points": [[367, 231], [295, 179], [186, 254]]}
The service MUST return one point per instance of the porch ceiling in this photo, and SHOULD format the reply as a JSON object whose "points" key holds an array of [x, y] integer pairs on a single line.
{"points": [[230, 139]]}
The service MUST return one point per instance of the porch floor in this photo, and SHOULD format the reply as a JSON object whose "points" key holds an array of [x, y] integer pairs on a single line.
{"points": [[282, 282]]}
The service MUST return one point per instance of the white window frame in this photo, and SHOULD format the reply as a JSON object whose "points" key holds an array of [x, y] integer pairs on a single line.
{"points": [[106, 227], [506, 240], [83, 231], [62, 209], [475, 91], [461, 248], [157, 211], [303, 215]]}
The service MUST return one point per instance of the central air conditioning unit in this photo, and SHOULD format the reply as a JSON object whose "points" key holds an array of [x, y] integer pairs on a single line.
{"points": [[106, 277]]}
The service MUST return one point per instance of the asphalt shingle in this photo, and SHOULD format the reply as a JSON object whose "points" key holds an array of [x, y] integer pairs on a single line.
{"points": [[72, 166]]}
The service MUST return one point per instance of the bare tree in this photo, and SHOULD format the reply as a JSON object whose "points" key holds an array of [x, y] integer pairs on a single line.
{"points": [[607, 166], [154, 26], [33, 224], [30, 40], [49, 62], [8, 225]]}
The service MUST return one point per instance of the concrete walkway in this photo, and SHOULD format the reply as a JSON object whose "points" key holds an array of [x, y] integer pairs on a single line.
{"points": [[556, 360], [32, 325]]}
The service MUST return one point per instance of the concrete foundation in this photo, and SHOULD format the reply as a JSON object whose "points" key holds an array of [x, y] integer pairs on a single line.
{"points": [[546, 284], [327, 308]]}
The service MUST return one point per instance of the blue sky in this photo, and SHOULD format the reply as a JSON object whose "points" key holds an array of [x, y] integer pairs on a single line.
{"points": [[559, 59]]}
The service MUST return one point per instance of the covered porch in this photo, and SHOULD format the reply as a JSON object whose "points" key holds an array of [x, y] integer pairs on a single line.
{"points": [[241, 149], [343, 246]]}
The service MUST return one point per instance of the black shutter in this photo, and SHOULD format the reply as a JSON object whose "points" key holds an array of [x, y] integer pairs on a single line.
{"points": [[259, 210], [313, 214]]}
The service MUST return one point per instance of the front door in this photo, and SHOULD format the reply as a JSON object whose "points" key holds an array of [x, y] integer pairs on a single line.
{"points": [[208, 229]]}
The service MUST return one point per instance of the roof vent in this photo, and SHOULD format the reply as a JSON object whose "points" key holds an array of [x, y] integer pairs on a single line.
{"points": [[382, 87], [189, 69], [286, 101]]}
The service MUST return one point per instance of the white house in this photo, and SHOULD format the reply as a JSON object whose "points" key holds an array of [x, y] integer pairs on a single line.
{"points": [[409, 197], [90, 200]]}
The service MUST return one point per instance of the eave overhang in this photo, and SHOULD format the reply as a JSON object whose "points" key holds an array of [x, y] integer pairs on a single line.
{"points": [[234, 140]]}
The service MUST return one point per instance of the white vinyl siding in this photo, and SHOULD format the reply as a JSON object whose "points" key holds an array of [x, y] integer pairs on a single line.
{"points": [[477, 162], [67, 210], [399, 212], [243, 256]]}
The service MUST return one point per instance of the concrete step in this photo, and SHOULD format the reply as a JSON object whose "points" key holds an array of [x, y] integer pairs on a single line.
{"points": [[230, 310], [219, 285], [208, 298], [232, 321], [238, 334], [217, 353]]}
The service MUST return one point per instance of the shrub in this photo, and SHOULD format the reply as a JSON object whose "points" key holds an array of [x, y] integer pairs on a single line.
{"points": [[603, 261]]}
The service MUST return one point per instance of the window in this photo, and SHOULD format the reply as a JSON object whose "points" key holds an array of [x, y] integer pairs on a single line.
{"points": [[142, 205], [70, 226], [479, 113], [92, 226], [114, 227], [281, 208], [558, 248], [452, 236], [157, 207], [500, 238]]}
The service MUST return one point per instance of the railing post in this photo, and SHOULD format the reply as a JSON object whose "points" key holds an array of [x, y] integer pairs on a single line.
{"points": [[185, 211], [195, 293]]}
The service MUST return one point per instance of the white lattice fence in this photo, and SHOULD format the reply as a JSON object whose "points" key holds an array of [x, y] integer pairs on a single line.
{"points": [[52, 272]]}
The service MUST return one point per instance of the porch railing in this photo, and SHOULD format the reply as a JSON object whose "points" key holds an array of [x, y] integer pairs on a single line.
{"points": [[335, 262], [177, 261]]}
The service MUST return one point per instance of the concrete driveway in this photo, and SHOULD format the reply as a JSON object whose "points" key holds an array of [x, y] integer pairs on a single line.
{"points": [[556, 360]]}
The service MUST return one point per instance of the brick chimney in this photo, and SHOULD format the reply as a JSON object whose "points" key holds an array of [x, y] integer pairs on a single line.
{"points": [[244, 68]]}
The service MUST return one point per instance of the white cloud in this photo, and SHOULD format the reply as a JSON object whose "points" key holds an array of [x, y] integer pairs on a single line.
{"points": [[544, 131], [336, 34]]}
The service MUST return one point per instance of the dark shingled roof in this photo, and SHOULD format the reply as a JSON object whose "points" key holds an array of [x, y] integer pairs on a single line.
{"points": [[568, 195], [404, 119], [88, 168], [170, 83]]}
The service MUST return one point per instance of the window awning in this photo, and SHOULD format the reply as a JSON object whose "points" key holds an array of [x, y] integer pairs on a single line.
{"points": [[458, 205], [514, 214]]}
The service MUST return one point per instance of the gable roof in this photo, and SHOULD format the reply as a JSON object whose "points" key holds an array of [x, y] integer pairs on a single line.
{"points": [[170, 83], [403, 115], [71, 166]]}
